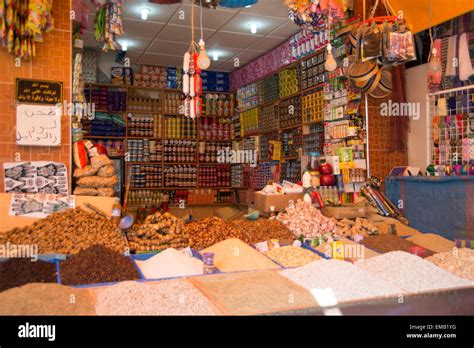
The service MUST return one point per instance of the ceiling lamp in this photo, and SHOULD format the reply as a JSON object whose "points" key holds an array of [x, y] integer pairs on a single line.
{"points": [[144, 13], [253, 28], [215, 56], [203, 59], [124, 45]]}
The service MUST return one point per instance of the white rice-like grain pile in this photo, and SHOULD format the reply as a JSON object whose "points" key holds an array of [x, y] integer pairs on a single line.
{"points": [[346, 281], [412, 273], [174, 297]]}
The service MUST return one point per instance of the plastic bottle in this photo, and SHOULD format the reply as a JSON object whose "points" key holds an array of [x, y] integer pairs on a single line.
{"points": [[116, 211]]}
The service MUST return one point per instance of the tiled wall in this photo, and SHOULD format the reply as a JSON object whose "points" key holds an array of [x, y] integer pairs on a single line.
{"points": [[52, 62], [381, 159]]}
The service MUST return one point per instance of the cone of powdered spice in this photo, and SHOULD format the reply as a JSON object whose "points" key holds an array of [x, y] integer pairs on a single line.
{"points": [[97, 264]]}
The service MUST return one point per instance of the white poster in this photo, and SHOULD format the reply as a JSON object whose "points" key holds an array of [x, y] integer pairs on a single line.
{"points": [[36, 177], [39, 205], [38, 125]]}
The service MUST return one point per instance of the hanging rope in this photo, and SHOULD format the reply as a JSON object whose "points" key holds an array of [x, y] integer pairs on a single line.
{"points": [[200, 22], [374, 8]]}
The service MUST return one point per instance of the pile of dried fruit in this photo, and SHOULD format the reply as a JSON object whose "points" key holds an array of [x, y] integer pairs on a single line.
{"points": [[211, 230], [349, 228], [18, 272], [158, 232], [262, 230], [459, 262], [97, 264], [67, 232], [305, 220]]}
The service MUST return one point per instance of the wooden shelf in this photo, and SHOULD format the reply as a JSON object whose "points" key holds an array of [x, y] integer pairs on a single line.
{"points": [[313, 122], [146, 87], [222, 116], [193, 139], [296, 94], [186, 205], [290, 127], [103, 137], [153, 113], [312, 87], [144, 137], [109, 112], [142, 162], [96, 84], [215, 141], [215, 164]]}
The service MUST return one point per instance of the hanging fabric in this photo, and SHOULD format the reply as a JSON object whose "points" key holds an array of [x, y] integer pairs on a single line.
{"points": [[465, 66]]}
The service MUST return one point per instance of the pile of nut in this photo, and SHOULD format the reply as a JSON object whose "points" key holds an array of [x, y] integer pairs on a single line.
{"points": [[262, 230], [158, 232], [212, 230], [67, 232], [305, 220], [349, 228], [458, 261]]}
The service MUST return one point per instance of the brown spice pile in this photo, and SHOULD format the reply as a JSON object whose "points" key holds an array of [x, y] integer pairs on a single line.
{"points": [[97, 264], [67, 232], [18, 272], [46, 299], [262, 230], [233, 255], [211, 230], [433, 242], [386, 243], [250, 293]]}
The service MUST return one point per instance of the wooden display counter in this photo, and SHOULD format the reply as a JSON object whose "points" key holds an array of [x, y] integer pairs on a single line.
{"points": [[8, 222]]}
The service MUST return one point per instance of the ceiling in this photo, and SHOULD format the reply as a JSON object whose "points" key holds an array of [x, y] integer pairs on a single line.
{"points": [[165, 36]]}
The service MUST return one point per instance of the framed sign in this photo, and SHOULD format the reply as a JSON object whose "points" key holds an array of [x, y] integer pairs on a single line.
{"points": [[38, 125], [30, 91]]}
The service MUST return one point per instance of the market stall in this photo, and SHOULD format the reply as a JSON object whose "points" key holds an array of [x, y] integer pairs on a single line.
{"points": [[218, 165]]}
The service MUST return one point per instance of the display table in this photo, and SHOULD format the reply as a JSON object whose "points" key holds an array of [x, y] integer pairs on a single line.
{"points": [[442, 205], [8, 222]]}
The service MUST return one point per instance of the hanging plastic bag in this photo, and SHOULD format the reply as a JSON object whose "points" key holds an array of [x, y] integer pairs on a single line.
{"points": [[371, 43]]}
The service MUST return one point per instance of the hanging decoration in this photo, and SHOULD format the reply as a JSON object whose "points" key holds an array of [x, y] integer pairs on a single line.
{"points": [[207, 3], [376, 45], [310, 15], [108, 23], [192, 82], [23, 23]]}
